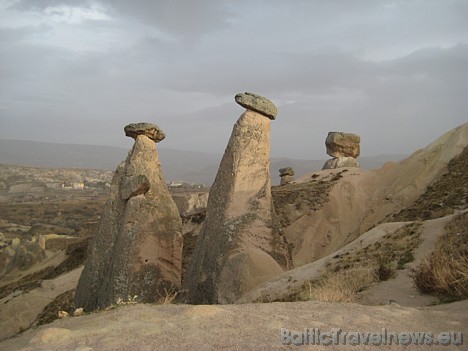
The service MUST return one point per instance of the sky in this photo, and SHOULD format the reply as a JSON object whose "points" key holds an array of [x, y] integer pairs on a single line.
{"points": [[77, 71]]}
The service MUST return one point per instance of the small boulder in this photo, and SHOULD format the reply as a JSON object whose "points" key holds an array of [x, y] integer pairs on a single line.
{"points": [[257, 103], [78, 312], [63, 314], [152, 131]]}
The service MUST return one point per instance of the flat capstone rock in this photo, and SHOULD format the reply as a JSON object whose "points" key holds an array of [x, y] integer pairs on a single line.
{"points": [[286, 171], [150, 130], [257, 103]]}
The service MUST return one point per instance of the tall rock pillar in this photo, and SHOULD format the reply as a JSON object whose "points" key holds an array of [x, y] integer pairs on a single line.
{"points": [[137, 249], [241, 244]]}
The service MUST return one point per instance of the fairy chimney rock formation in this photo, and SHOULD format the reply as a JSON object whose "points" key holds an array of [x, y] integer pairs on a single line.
{"points": [[287, 175], [344, 148], [137, 249], [241, 243]]}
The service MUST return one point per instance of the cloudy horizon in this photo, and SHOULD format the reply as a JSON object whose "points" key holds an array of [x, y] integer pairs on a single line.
{"points": [[394, 72]]}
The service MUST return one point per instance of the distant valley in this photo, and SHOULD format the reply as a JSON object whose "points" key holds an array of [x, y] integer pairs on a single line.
{"points": [[178, 165]]}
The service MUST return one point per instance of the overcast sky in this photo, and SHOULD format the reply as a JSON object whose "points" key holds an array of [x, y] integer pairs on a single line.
{"points": [[77, 71]]}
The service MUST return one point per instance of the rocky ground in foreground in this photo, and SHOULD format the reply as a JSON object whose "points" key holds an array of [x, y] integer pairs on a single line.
{"points": [[235, 327]]}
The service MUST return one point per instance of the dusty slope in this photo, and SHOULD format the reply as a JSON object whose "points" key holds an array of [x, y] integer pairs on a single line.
{"points": [[401, 289], [288, 284], [448, 193], [232, 327], [23, 309], [360, 199]]}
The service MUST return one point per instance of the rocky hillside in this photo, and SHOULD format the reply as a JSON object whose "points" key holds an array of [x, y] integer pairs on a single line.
{"points": [[323, 211], [353, 211]]}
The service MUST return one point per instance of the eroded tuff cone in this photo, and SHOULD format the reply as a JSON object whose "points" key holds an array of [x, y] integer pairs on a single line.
{"points": [[150, 130], [341, 144], [241, 243], [137, 249], [340, 162], [257, 103]]}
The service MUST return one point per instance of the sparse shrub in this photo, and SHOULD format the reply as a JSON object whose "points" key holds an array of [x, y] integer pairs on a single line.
{"points": [[169, 296], [129, 301], [407, 257], [445, 271], [340, 287], [384, 270]]}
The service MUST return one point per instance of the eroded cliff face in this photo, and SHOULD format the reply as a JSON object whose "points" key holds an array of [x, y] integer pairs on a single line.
{"points": [[241, 243], [137, 249]]}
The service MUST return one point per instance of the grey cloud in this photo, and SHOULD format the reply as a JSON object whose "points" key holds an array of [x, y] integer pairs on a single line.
{"points": [[13, 35], [40, 5], [180, 18]]}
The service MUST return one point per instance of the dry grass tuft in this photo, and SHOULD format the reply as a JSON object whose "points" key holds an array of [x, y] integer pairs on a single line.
{"points": [[445, 271], [339, 287], [169, 296], [129, 301]]}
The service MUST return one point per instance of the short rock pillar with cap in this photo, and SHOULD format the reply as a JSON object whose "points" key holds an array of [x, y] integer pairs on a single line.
{"points": [[287, 175], [344, 148]]}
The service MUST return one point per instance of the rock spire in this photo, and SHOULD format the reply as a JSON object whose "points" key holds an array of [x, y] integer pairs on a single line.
{"points": [[241, 243], [137, 249]]}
